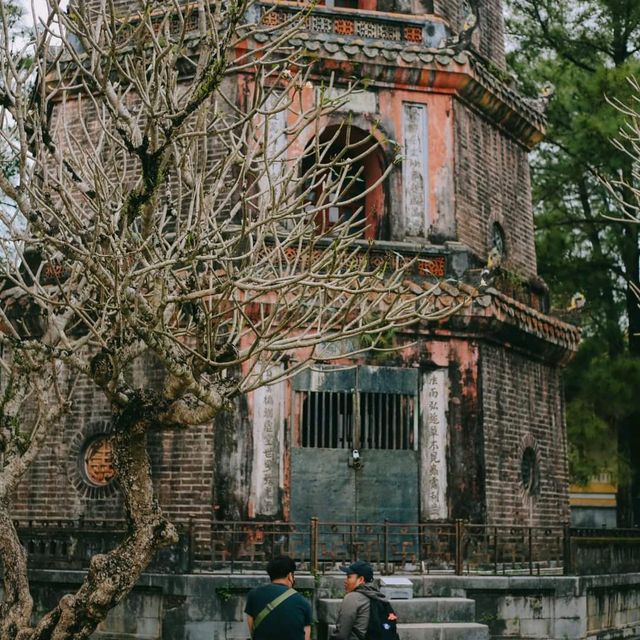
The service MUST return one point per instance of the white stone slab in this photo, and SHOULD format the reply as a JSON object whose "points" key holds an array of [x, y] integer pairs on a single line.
{"points": [[415, 170], [434, 400], [396, 588], [268, 438], [395, 581]]}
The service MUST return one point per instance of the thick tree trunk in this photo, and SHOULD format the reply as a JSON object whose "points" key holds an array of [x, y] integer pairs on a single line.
{"points": [[630, 253], [112, 576], [631, 257], [15, 610], [613, 333], [17, 606], [624, 497]]}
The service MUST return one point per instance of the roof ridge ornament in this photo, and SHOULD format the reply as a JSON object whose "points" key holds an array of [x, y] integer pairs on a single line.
{"points": [[462, 41]]}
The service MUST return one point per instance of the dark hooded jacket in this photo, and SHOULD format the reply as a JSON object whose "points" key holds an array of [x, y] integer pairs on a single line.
{"points": [[353, 616]]}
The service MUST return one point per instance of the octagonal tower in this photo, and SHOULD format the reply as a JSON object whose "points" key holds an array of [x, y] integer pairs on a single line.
{"points": [[466, 419]]}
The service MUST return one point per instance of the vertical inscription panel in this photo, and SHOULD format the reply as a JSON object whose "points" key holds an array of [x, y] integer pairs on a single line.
{"points": [[434, 398], [268, 438], [273, 131], [415, 178]]}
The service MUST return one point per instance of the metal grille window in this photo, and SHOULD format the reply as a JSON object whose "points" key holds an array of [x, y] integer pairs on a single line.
{"points": [[356, 408], [327, 419], [386, 421]]}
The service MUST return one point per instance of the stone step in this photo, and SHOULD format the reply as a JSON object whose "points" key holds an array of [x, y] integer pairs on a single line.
{"points": [[436, 631], [413, 611], [443, 631]]}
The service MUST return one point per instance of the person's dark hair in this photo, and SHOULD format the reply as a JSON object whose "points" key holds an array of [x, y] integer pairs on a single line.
{"points": [[280, 567]]}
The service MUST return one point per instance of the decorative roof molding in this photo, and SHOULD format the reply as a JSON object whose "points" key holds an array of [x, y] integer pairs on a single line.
{"points": [[498, 314], [410, 51], [535, 323], [429, 31]]}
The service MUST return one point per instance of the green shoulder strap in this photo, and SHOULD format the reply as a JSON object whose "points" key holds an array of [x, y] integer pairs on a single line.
{"points": [[271, 606]]}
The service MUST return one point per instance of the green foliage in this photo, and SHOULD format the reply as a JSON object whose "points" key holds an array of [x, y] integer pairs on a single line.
{"points": [[225, 594], [586, 49], [13, 11], [381, 341], [603, 394]]}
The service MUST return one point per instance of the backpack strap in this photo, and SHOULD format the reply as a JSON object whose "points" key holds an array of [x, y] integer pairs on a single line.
{"points": [[271, 606]]}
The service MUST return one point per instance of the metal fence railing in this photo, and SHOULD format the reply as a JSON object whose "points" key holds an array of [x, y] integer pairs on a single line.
{"points": [[70, 544], [451, 547], [454, 547]]}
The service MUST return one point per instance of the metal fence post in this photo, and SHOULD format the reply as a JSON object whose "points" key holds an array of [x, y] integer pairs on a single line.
{"points": [[566, 555], [233, 545], [459, 560], [186, 548], [352, 539], [495, 550], [386, 545], [313, 528]]}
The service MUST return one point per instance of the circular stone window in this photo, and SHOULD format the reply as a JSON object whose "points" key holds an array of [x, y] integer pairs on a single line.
{"points": [[530, 471], [98, 461]]}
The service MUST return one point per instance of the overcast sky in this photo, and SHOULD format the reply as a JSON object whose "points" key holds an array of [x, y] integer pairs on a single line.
{"points": [[40, 7]]}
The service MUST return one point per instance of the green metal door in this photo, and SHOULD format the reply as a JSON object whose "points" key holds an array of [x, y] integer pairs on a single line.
{"points": [[355, 455]]}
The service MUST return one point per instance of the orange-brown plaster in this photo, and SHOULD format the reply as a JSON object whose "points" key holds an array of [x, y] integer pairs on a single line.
{"points": [[440, 138]]}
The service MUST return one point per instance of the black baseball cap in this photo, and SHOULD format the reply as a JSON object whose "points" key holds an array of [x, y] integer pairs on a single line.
{"points": [[360, 568]]}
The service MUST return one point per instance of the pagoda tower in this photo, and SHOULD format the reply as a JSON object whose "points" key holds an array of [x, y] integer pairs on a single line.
{"points": [[468, 421], [464, 421]]}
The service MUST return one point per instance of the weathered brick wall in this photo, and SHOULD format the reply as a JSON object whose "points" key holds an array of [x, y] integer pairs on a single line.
{"points": [[489, 35], [76, 127], [190, 486], [465, 468], [491, 32], [53, 487], [450, 10], [492, 184], [522, 407]]}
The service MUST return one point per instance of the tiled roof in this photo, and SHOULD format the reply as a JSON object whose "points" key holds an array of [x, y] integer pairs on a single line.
{"points": [[534, 322], [491, 304]]}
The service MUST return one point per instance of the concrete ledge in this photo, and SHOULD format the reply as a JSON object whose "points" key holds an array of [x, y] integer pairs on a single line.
{"points": [[436, 631], [412, 611], [202, 606], [448, 631]]}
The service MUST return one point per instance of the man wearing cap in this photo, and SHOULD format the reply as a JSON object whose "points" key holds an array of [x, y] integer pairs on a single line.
{"points": [[353, 617], [276, 611]]}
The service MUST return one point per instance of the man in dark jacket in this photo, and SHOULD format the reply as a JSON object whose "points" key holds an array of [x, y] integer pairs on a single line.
{"points": [[276, 611], [353, 617]]}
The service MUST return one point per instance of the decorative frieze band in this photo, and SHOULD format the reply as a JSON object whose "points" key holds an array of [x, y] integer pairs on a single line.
{"points": [[345, 25], [433, 266]]}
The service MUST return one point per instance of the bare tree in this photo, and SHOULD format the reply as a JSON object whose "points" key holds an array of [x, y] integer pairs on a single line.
{"points": [[625, 190], [175, 187]]}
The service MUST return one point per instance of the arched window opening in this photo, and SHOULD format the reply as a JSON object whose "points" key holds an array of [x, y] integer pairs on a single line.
{"points": [[498, 240], [530, 472], [345, 168]]}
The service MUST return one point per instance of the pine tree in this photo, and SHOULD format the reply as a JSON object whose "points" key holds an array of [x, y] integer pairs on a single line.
{"points": [[587, 50]]}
